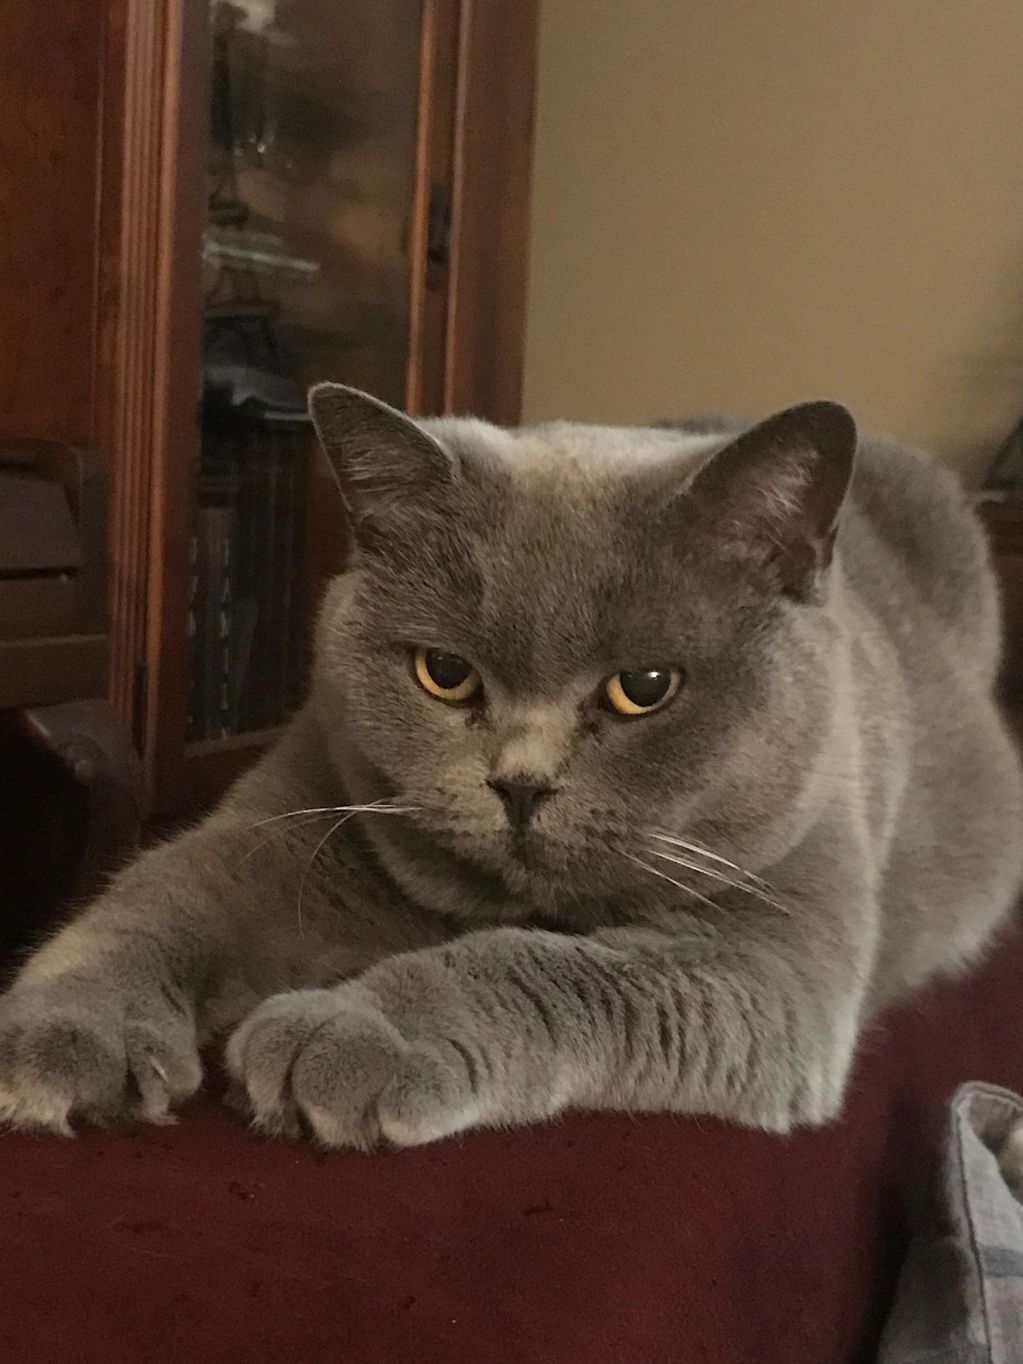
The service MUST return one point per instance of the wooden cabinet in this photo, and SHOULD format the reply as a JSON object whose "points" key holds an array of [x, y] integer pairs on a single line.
{"points": [[215, 204], [52, 147]]}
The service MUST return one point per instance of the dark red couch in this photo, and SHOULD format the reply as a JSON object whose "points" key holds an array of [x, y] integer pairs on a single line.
{"points": [[598, 1239]]}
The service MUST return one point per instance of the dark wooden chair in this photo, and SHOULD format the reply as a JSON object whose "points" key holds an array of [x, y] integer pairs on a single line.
{"points": [[69, 807]]}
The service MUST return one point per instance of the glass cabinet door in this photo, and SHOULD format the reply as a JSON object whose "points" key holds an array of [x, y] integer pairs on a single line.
{"points": [[312, 189], [310, 166]]}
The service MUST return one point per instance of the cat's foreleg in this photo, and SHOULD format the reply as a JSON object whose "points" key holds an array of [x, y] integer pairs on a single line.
{"points": [[510, 1025], [105, 1020], [101, 1023]]}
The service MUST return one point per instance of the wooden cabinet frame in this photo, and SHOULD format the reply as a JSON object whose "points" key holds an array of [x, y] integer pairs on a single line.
{"points": [[475, 110]]}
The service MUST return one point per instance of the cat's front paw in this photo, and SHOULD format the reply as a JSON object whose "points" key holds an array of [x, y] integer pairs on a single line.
{"points": [[71, 1053], [330, 1062]]}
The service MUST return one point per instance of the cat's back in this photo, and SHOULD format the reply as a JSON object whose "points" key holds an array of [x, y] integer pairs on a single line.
{"points": [[910, 540]]}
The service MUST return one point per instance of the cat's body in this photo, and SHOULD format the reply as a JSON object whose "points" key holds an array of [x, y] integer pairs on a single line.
{"points": [[699, 905]]}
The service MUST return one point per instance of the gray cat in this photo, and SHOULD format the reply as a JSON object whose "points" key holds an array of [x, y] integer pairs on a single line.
{"points": [[640, 767]]}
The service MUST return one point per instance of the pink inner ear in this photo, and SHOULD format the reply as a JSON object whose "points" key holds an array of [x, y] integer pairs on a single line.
{"points": [[774, 498], [777, 516], [777, 488], [784, 487]]}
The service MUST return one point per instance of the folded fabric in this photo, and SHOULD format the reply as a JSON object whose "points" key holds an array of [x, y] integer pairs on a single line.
{"points": [[960, 1297]]}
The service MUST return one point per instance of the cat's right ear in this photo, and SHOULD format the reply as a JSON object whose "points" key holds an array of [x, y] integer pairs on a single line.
{"points": [[387, 468]]}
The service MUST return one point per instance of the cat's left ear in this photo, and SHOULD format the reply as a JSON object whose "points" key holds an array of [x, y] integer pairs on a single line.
{"points": [[386, 466], [772, 497]]}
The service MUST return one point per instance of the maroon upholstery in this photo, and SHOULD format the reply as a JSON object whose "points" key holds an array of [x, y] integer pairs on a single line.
{"points": [[597, 1239]]}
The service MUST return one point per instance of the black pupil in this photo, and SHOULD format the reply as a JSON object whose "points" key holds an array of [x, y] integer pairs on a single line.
{"points": [[447, 670], [645, 688]]}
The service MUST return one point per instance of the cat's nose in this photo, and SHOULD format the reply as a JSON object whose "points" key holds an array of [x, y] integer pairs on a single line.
{"points": [[521, 797]]}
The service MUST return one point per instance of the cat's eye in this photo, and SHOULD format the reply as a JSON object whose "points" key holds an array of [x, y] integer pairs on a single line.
{"points": [[642, 691], [446, 676]]}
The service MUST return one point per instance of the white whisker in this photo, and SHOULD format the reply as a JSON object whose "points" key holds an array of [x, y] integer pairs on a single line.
{"points": [[686, 890], [710, 872], [314, 813], [698, 851], [374, 807], [272, 838], [350, 814], [713, 875]]}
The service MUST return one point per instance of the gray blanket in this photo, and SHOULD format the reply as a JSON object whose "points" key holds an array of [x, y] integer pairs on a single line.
{"points": [[960, 1297]]}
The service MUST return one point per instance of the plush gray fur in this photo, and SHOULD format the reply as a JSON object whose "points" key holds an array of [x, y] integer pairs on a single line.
{"points": [[715, 896]]}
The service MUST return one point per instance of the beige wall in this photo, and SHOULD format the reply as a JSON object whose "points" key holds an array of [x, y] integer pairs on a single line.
{"points": [[742, 203]]}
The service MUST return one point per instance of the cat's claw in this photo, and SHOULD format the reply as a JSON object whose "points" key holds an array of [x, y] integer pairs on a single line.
{"points": [[65, 1059]]}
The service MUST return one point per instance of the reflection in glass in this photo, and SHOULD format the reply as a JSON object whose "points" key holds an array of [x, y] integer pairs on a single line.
{"points": [[306, 276]]}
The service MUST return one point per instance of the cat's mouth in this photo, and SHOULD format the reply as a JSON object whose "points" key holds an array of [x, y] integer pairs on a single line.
{"points": [[513, 853], [522, 857], [527, 849]]}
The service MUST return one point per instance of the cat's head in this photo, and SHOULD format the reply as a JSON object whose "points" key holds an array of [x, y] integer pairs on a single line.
{"points": [[558, 648]]}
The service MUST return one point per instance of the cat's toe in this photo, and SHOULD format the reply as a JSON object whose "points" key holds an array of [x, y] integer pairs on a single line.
{"points": [[54, 1067], [340, 1074], [313, 1061], [428, 1097], [164, 1069], [332, 1064], [89, 1060], [261, 1052], [35, 1108]]}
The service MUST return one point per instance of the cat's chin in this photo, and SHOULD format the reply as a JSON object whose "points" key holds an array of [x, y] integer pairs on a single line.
{"points": [[542, 871]]}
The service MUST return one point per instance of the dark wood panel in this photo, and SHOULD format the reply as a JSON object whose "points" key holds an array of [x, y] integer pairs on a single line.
{"points": [[174, 431], [43, 835], [492, 169], [212, 765], [51, 70], [75, 819], [128, 269], [41, 672], [429, 276], [32, 608]]}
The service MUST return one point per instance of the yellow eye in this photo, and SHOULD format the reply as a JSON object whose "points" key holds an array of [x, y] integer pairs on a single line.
{"points": [[446, 676], [642, 691]]}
